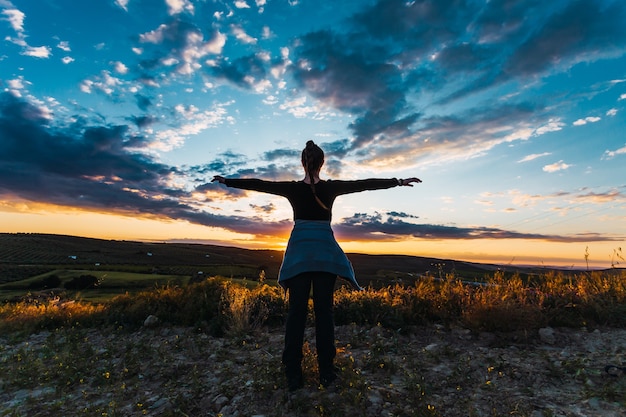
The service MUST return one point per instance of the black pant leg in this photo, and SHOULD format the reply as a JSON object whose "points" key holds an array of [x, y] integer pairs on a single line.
{"points": [[323, 300], [299, 288]]}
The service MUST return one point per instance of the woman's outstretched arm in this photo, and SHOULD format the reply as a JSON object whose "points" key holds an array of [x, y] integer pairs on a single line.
{"points": [[253, 184]]}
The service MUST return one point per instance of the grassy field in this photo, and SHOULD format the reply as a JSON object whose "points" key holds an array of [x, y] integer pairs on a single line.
{"points": [[192, 284]]}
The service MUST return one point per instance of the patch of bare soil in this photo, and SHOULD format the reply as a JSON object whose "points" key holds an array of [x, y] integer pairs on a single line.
{"points": [[423, 371]]}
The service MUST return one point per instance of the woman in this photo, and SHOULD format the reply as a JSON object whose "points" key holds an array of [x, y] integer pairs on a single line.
{"points": [[313, 259]]}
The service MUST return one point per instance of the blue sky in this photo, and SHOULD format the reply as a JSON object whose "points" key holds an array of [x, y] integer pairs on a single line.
{"points": [[115, 115]]}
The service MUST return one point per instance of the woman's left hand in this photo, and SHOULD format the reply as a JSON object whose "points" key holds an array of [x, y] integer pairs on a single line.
{"points": [[407, 181], [219, 179]]}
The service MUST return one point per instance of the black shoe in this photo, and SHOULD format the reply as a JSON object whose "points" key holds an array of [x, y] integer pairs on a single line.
{"points": [[328, 378], [294, 384], [295, 381]]}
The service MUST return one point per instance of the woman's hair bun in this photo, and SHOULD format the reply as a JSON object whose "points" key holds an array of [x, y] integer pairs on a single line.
{"points": [[310, 143]]}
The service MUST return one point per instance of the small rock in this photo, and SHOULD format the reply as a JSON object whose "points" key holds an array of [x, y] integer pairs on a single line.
{"points": [[432, 347], [546, 334], [219, 402], [463, 334], [151, 321]]}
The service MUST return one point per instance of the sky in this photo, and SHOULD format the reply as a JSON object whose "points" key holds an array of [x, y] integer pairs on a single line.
{"points": [[116, 114]]}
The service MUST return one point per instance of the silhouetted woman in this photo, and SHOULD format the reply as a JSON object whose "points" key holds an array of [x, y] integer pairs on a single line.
{"points": [[312, 258]]}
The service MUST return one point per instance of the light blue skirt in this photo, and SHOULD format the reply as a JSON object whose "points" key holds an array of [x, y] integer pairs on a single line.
{"points": [[312, 247]]}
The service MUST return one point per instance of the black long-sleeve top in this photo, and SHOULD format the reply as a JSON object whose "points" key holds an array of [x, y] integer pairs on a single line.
{"points": [[301, 197]]}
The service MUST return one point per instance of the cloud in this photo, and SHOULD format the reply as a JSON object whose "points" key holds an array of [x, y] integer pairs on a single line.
{"points": [[578, 31], [557, 166], [348, 79], [15, 18], [609, 196], [64, 46], [37, 51], [581, 122], [180, 45], [375, 227], [612, 154], [99, 168], [248, 72], [266, 209], [241, 35], [534, 156], [372, 67], [120, 67], [179, 6], [105, 83], [241, 4], [122, 4], [85, 166]]}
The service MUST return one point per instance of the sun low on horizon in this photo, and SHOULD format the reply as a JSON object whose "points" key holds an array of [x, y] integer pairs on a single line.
{"points": [[116, 114]]}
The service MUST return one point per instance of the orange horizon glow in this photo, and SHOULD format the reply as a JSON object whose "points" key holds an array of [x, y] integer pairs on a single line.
{"points": [[43, 218]]}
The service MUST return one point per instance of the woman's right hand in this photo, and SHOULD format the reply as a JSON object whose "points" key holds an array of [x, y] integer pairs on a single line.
{"points": [[407, 181], [219, 179]]}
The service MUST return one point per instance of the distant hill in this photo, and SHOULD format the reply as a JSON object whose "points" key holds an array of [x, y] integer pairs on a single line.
{"points": [[35, 250]]}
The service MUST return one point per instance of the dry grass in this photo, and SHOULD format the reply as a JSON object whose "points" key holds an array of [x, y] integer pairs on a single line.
{"points": [[219, 306]]}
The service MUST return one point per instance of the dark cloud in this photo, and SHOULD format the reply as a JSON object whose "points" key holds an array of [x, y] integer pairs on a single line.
{"points": [[267, 208], [143, 102], [224, 164], [85, 166], [366, 227], [142, 121], [281, 154], [395, 47], [584, 29], [242, 72], [354, 80]]}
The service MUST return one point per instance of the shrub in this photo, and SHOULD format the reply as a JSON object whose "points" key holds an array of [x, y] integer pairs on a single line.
{"points": [[196, 304], [82, 282], [49, 282]]}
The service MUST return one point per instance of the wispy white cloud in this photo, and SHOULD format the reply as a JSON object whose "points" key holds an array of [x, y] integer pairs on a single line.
{"points": [[194, 122], [64, 46], [122, 3], [15, 18], [557, 166], [241, 35], [179, 6], [534, 156], [591, 119], [120, 67], [614, 153], [38, 51], [105, 83], [553, 125], [611, 112]]}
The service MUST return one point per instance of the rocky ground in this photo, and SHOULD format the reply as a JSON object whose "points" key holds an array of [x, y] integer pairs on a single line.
{"points": [[424, 371]]}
